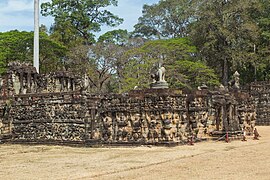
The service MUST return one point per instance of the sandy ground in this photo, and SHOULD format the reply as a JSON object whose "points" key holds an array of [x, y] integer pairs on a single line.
{"points": [[206, 160]]}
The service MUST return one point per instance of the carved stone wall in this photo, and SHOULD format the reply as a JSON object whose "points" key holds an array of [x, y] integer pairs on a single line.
{"points": [[59, 117], [21, 78], [57, 108], [142, 116], [261, 93]]}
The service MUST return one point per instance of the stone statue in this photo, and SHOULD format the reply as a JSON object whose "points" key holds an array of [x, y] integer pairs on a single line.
{"points": [[236, 80], [234, 83], [159, 79], [159, 76]]}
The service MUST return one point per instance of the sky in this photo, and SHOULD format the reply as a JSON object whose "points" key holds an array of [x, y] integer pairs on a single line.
{"points": [[19, 14]]}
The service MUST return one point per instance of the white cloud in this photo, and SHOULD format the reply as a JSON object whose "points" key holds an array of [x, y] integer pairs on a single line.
{"points": [[16, 5], [18, 14]]}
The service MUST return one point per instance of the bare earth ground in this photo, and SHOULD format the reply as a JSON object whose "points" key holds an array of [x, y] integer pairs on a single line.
{"points": [[206, 160]]}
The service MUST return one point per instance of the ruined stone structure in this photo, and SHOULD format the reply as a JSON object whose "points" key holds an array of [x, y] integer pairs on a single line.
{"points": [[58, 108], [22, 78], [261, 93]]}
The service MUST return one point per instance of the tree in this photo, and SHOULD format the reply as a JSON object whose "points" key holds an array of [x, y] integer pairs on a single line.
{"points": [[18, 46], [171, 53], [74, 26], [166, 19], [260, 69], [103, 61], [119, 42], [13, 47], [52, 54], [192, 74], [118, 37], [79, 19], [225, 33], [104, 57]]}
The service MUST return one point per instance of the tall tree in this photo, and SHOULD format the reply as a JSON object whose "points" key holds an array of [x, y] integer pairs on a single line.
{"points": [[110, 59], [261, 67], [18, 46], [225, 33], [79, 18], [117, 42], [166, 19], [103, 61]]}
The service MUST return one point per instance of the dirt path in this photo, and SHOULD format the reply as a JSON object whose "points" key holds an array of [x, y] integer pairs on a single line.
{"points": [[208, 160]]}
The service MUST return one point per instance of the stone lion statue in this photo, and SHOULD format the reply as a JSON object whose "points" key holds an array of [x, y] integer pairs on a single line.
{"points": [[159, 76]]}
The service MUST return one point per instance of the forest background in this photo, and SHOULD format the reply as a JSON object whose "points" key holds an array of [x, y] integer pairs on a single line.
{"points": [[197, 41]]}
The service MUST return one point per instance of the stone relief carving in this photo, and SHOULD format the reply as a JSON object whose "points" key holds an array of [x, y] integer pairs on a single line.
{"points": [[70, 114]]}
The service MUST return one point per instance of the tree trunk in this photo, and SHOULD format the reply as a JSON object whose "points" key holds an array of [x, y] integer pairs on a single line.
{"points": [[255, 73], [225, 72]]}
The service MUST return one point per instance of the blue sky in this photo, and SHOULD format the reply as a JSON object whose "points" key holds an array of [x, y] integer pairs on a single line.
{"points": [[18, 14]]}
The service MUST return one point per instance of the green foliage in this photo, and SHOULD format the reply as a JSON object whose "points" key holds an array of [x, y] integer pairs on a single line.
{"points": [[104, 62], [14, 46], [177, 56], [167, 51], [259, 69], [229, 35], [65, 34], [194, 74], [137, 73], [79, 19], [18, 46], [166, 19], [119, 37], [224, 33], [52, 54]]}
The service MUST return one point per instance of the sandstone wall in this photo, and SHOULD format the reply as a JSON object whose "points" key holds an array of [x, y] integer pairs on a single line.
{"points": [[58, 108], [261, 93], [143, 116]]}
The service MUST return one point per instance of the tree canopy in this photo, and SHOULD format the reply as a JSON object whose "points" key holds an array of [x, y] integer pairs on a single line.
{"points": [[177, 55], [228, 34], [166, 19], [79, 19], [225, 33], [18, 46], [198, 42]]}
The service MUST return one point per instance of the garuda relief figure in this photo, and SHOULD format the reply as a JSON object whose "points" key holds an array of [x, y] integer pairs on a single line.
{"points": [[154, 130], [107, 129], [137, 127], [183, 127], [123, 128], [175, 127], [167, 125]]}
